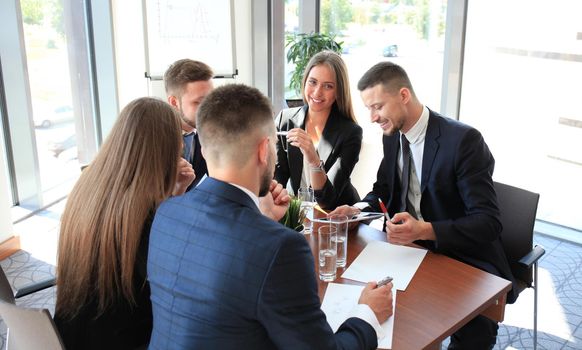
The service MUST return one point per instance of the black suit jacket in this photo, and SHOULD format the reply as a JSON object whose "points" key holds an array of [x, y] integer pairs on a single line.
{"points": [[339, 148], [458, 197]]}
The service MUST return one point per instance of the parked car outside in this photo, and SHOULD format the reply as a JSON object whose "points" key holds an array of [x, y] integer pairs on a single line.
{"points": [[390, 50], [58, 115], [58, 147]]}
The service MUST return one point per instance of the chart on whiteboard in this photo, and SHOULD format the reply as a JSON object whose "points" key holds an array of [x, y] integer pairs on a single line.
{"points": [[195, 29]]}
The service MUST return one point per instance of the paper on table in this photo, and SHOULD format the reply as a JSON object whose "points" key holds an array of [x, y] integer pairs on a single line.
{"points": [[340, 299], [380, 259]]}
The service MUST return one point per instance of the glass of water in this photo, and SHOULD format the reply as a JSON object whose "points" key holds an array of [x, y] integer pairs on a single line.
{"points": [[327, 249], [341, 224], [307, 198]]}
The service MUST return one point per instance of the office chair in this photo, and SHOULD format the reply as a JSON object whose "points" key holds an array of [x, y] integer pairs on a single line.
{"points": [[29, 329], [518, 209], [6, 293]]}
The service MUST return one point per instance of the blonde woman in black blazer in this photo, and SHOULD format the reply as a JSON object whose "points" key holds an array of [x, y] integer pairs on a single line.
{"points": [[323, 139]]}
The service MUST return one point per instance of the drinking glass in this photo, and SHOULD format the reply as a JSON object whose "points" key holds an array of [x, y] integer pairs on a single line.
{"points": [[327, 249], [340, 222], [307, 198]]}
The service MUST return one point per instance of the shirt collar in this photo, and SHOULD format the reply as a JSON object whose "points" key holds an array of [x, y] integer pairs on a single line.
{"points": [[418, 130], [249, 193]]}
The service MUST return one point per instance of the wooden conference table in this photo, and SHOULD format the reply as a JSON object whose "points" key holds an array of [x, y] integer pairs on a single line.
{"points": [[443, 295]]}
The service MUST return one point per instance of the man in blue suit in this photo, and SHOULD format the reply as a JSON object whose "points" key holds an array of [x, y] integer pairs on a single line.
{"points": [[224, 276], [450, 206]]}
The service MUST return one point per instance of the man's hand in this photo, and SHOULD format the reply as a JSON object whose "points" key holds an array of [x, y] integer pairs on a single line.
{"points": [[276, 202], [405, 229], [378, 299], [184, 177], [348, 211]]}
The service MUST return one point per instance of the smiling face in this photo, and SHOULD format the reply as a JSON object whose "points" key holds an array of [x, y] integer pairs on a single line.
{"points": [[320, 88], [386, 108]]}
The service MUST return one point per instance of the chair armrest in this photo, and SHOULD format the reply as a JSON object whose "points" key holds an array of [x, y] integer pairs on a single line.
{"points": [[35, 287], [533, 256]]}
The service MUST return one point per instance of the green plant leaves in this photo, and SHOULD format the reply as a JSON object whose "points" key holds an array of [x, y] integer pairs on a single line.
{"points": [[294, 216], [302, 47]]}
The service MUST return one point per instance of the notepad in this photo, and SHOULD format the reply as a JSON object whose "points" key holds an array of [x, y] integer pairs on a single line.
{"points": [[340, 299], [379, 259]]}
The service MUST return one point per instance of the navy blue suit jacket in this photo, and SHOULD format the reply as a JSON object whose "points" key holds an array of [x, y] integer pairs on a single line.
{"points": [[339, 148], [458, 197], [223, 276]]}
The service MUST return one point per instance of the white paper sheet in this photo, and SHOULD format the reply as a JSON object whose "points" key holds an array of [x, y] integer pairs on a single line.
{"points": [[340, 299], [380, 259]]}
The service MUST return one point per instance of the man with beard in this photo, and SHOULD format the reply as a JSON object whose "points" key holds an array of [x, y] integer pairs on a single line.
{"points": [[436, 181], [187, 82], [222, 275]]}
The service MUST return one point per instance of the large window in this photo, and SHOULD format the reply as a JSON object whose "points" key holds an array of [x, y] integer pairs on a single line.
{"points": [[408, 32], [50, 91], [521, 88]]}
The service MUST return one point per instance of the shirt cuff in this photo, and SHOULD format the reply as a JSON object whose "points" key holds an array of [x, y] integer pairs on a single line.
{"points": [[361, 205], [365, 313]]}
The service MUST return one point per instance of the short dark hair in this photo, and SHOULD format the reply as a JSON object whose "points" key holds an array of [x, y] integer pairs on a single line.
{"points": [[389, 74], [185, 71], [228, 119]]}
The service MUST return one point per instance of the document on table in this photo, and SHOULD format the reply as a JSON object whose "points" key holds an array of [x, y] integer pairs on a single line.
{"points": [[340, 299], [380, 259]]}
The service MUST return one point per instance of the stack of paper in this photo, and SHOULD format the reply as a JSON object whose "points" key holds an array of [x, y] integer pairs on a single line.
{"points": [[340, 299]]}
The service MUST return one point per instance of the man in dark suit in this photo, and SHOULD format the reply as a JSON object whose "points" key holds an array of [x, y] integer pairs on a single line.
{"points": [[187, 82], [450, 205], [224, 276]]}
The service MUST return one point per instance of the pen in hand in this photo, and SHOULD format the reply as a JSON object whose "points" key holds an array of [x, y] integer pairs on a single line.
{"points": [[384, 281], [384, 210]]}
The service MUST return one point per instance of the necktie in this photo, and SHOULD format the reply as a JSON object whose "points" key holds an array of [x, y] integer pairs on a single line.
{"points": [[187, 152], [405, 171], [198, 162]]}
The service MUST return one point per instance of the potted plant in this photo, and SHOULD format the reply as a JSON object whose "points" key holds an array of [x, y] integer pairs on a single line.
{"points": [[301, 48], [294, 216]]}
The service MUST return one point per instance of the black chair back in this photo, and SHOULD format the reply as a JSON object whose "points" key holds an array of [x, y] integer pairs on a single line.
{"points": [[6, 293], [518, 208]]}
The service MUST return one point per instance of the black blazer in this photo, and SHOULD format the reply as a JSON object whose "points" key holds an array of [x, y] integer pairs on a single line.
{"points": [[458, 197], [339, 148]]}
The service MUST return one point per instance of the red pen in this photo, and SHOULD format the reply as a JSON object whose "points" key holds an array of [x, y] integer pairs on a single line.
{"points": [[384, 210]]}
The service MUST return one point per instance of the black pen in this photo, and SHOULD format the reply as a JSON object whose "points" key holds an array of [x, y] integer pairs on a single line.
{"points": [[384, 281]]}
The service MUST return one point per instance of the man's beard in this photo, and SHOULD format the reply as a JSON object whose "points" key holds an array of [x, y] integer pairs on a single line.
{"points": [[183, 116], [266, 179]]}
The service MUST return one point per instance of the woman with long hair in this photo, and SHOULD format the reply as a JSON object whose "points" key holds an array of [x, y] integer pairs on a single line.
{"points": [[103, 298], [323, 140]]}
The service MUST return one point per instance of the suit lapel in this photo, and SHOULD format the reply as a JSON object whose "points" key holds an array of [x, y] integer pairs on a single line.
{"points": [[329, 137], [391, 149], [431, 147], [294, 153]]}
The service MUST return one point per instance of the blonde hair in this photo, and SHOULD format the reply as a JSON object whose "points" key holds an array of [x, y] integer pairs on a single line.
{"points": [[102, 223], [343, 99]]}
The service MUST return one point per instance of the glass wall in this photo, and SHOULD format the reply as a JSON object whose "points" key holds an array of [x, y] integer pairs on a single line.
{"points": [[521, 89], [50, 90], [410, 33]]}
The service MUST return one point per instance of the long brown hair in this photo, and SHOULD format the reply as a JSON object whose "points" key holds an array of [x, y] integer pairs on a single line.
{"points": [[102, 223], [343, 99]]}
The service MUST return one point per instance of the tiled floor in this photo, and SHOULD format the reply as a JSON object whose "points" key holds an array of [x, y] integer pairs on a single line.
{"points": [[560, 286]]}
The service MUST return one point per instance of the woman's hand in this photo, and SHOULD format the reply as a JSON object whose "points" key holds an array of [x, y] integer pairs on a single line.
{"points": [[184, 177], [299, 138]]}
